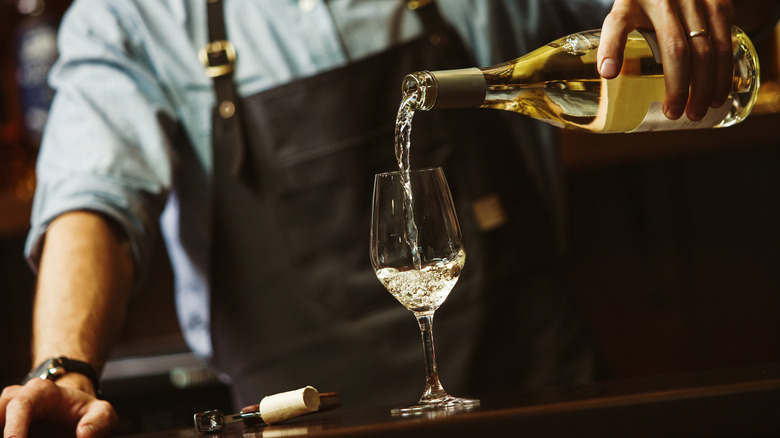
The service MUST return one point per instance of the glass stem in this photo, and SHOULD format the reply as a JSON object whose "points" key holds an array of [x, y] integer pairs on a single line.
{"points": [[433, 388]]}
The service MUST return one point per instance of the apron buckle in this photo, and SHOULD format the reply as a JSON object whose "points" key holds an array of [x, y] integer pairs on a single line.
{"points": [[417, 4], [219, 58]]}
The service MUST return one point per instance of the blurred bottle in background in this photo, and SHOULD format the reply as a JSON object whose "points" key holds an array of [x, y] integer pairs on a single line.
{"points": [[28, 34], [35, 49]]}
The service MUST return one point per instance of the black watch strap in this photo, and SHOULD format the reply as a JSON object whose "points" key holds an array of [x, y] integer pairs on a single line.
{"points": [[56, 367]]}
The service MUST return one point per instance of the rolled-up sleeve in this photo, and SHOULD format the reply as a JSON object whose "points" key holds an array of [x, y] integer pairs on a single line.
{"points": [[105, 147]]}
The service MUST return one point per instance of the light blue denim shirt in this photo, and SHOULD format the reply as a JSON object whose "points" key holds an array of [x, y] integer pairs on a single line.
{"points": [[127, 66]]}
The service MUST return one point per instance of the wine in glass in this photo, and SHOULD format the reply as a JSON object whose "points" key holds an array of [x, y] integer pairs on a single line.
{"points": [[417, 253]]}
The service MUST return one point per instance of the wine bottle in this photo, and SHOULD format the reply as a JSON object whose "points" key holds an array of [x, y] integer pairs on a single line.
{"points": [[560, 84]]}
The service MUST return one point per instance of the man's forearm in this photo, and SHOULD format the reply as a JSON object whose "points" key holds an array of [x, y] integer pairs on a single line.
{"points": [[85, 275]]}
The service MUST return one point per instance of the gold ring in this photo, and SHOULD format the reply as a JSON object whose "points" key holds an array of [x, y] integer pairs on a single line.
{"points": [[698, 32]]}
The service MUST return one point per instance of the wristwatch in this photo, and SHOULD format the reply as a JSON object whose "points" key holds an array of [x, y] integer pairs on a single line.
{"points": [[56, 367]]}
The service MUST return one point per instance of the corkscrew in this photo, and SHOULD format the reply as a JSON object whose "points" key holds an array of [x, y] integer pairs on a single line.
{"points": [[272, 409]]}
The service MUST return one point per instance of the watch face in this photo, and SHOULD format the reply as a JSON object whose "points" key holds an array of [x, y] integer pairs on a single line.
{"points": [[50, 369], [42, 371], [55, 371]]}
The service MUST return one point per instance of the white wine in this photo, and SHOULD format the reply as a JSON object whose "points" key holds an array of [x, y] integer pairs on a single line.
{"points": [[403, 144], [423, 290], [560, 84]]}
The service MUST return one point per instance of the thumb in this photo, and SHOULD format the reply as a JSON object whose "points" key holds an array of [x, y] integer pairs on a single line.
{"points": [[98, 420]]}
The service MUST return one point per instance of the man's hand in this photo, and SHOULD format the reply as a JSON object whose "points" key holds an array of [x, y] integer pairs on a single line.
{"points": [[84, 280], [697, 69], [44, 401]]}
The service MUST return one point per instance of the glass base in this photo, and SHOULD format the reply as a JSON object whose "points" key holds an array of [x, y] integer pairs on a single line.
{"points": [[446, 403]]}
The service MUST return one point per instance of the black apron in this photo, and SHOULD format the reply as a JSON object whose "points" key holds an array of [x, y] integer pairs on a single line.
{"points": [[295, 300]]}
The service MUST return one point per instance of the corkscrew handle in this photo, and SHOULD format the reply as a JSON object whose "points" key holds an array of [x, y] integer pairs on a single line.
{"points": [[214, 420]]}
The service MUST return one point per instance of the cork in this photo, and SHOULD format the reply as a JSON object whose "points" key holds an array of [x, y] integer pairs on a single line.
{"points": [[285, 405]]}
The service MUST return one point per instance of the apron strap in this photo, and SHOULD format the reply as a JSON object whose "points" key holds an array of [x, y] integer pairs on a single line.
{"points": [[218, 58]]}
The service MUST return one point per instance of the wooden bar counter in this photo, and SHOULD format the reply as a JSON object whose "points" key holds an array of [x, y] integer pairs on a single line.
{"points": [[732, 402]]}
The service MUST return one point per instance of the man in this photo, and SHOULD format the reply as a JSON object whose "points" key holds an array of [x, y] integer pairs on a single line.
{"points": [[130, 135]]}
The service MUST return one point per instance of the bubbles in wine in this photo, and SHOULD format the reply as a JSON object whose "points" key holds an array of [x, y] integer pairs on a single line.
{"points": [[424, 289]]}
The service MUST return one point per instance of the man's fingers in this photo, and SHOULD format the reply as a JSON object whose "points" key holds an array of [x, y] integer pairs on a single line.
{"points": [[701, 75], [700, 49], [720, 18], [66, 407], [694, 38], [29, 401], [9, 392], [98, 420], [675, 56], [614, 32]]}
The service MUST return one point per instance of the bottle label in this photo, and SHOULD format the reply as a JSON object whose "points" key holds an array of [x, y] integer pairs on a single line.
{"points": [[655, 120]]}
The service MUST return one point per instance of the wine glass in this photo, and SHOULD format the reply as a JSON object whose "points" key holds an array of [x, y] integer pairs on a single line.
{"points": [[417, 253]]}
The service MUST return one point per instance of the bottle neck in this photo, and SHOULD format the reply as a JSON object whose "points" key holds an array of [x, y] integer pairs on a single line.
{"points": [[462, 88]]}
